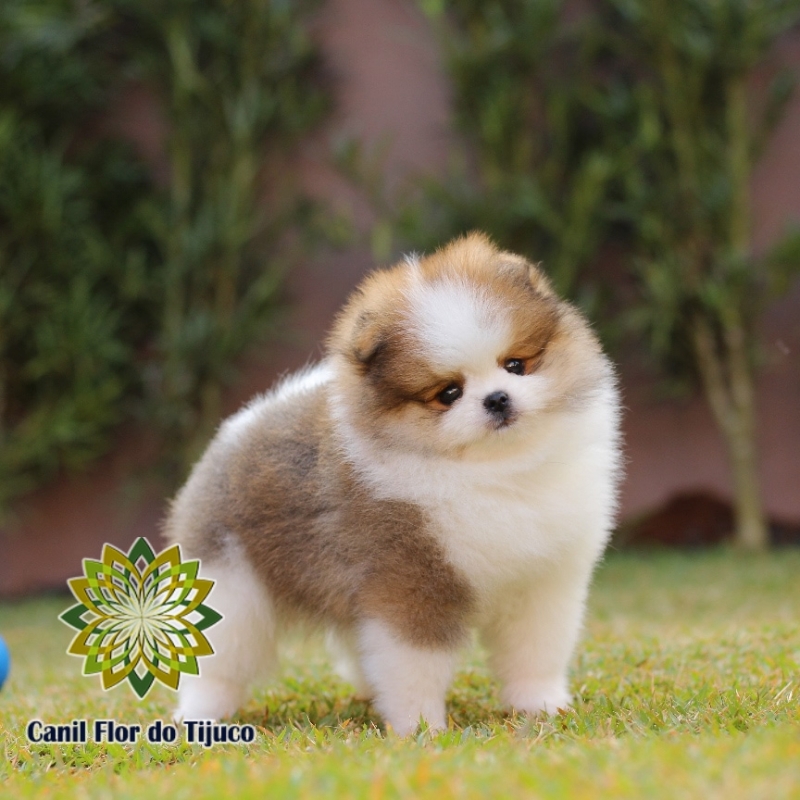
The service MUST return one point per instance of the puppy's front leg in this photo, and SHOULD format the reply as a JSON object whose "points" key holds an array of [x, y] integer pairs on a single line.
{"points": [[532, 638], [408, 682]]}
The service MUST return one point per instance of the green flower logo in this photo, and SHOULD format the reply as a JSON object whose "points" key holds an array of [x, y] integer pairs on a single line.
{"points": [[140, 617]]}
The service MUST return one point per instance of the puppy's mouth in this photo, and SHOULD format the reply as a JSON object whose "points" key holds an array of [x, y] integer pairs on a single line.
{"points": [[501, 424]]}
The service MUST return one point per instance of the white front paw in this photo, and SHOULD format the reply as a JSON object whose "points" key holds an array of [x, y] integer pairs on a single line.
{"points": [[406, 723], [537, 697], [204, 698]]}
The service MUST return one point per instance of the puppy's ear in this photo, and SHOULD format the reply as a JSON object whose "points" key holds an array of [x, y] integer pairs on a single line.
{"points": [[363, 329], [532, 273], [368, 338]]}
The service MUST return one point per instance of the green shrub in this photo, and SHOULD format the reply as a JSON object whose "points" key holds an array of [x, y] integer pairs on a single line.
{"points": [[628, 125], [70, 248], [237, 80], [686, 140], [122, 299], [535, 170]]}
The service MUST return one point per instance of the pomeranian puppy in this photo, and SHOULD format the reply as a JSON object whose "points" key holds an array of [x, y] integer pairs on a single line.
{"points": [[450, 465]]}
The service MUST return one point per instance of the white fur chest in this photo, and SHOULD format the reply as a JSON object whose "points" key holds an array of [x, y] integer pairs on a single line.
{"points": [[501, 521], [498, 533]]}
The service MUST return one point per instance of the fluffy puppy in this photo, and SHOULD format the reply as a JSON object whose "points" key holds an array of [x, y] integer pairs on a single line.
{"points": [[451, 464]]}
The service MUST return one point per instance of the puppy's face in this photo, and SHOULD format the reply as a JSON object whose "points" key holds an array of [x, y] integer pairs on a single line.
{"points": [[462, 351]]}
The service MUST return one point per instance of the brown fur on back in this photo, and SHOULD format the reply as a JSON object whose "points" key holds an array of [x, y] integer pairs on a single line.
{"points": [[325, 548]]}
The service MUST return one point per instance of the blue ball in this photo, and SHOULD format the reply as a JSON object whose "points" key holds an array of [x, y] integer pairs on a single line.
{"points": [[5, 662]]}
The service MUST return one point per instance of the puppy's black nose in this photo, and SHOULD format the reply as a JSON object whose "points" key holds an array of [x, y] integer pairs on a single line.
{"points": [[498, 404]]}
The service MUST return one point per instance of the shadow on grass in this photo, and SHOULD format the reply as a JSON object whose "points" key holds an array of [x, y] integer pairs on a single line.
{"points": [[472, 702]]}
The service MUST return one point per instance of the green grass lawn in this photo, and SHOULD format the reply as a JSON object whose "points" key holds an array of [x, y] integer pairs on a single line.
{"points": [[688, 685]]}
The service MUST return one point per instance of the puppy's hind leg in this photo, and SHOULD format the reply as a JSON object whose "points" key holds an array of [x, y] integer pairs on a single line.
{"points": [[344, 653], [243, 641], [408, 682]]}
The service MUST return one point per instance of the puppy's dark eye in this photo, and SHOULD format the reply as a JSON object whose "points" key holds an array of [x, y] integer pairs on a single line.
{"points": [[516, 366], [450, 394]]}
